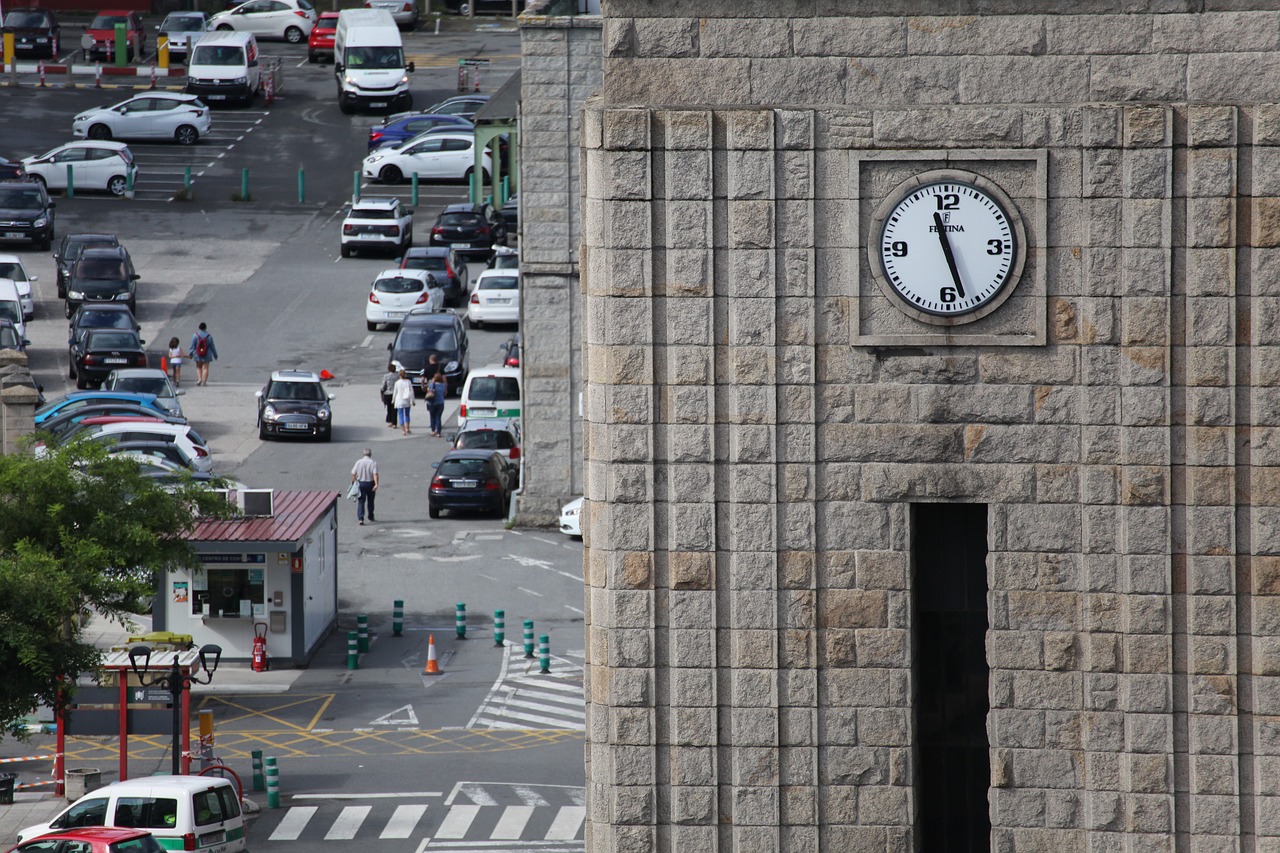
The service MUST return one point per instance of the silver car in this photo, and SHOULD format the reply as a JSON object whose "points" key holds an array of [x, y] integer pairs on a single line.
{"points": [[403, 12], [182, 29], [146, 380]]}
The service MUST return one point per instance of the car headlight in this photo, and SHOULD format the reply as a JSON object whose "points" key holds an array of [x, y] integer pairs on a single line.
{"points": [[404, 79], [75, 294], [323, 414], [41, 221], [239, 81], [451, 367], [123, 297], [79, 119], [268, 412], [572, 513]]}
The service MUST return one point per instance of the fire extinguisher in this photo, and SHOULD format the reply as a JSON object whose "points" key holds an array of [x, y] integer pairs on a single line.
{"points": [[260, 647]]}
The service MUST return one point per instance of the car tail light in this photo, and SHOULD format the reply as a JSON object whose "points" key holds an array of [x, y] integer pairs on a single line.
{"points": [[373, 297], [475, 299], [375, 135], [423, 298], [348, 229], [513, 362], [89, 359], [189, 841], [200, 451], [437, 230], [300, 13], [483, 229], [463, 410], [437, 482], [492, 485], [515, 454], [140, 359], [408, 7]]}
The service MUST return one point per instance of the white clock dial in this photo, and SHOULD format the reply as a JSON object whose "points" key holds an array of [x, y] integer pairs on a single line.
{"points": [[948, 248]]}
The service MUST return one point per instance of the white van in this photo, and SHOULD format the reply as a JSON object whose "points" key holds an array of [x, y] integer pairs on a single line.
{"points": [[189, 813], [11, 306], [490, 392], [223, 67], [368, 61]]}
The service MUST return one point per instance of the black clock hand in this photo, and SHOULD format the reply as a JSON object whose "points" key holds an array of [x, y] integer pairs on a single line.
{"points": [[946, 250]]}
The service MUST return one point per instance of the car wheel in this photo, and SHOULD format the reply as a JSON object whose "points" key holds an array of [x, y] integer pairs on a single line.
{"points": [[474, 324], [464, 8], [344, 104], [117, 185], [186, 135], [71, 369], [346, 251], [293, 35], [433, 512], [372, 326], [225, 27], [45, 245], [390, 175], [69, 310], [312, 58], [99, 131], [327, 435], [81, 382], [262, 432]]}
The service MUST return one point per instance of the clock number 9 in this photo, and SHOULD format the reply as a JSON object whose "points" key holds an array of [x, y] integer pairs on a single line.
{"points": [[995, 247], [947, 201], [947, 295], [898, 248]]}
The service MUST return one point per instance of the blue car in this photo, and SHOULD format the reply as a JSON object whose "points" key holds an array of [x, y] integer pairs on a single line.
{"points": [[404, 126], [80, 399]]}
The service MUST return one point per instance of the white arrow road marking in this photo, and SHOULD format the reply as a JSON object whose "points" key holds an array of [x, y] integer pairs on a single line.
{"points": [[402, 716]]}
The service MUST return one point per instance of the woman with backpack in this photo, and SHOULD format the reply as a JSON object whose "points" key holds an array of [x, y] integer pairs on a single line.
{"points": [[203, 351]]}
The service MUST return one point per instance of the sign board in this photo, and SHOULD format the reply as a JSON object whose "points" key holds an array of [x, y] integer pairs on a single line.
{"points": [[473, 62]]}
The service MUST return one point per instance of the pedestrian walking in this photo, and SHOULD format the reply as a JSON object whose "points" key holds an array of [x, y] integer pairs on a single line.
{"points": [[365, 476], [403, 398], [429, 370], [175, 362], [388, 394], [203, 352], [437, 390]]}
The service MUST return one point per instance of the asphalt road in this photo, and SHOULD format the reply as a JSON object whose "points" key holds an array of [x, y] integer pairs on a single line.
{"points": [[382, 757]]}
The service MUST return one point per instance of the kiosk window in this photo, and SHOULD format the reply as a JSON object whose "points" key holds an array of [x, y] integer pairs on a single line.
{"points": [[232, 592]]}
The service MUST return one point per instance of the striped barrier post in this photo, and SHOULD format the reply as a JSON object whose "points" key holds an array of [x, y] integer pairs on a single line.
{"points": [[273, 783], [397, 618], [460, 620], [42, 74], [499, 627], [528, 638], [259, 781], [353, 653], [362, 633], [544, 653]]}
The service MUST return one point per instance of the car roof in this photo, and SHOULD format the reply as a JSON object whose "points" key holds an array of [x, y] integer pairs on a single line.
{"points": [[89, 237], [103, 252], [396, 272], [99, 833], [373, 201], [426, 251], [190, 783], [463, 208], [489, 425], [294, 376], [106, 395], [95, 143], [469, 454], [425, 316], [134, 372], [509, 272]]}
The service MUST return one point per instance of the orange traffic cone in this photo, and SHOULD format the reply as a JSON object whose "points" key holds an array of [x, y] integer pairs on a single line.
{"points": [[433, 666], [326, 375], [164, 364]]}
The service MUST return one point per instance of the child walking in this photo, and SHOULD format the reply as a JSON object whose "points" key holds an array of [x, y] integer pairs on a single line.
{"points": [[175, 362]]}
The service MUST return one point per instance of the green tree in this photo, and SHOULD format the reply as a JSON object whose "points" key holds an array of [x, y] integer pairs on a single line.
{"points": [[80, 532]]}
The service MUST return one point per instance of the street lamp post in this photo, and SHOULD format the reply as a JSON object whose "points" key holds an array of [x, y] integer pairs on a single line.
{"points": [[175, 682]]}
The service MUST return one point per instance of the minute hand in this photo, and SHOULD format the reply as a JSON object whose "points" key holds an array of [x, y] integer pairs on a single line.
{"points": [[946, 250]]}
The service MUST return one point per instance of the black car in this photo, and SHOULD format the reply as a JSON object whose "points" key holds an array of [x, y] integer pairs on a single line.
{"points": [[471, 229], [101, 351], [100, 315], [294, 402], [445, 267], [35, 32], [12, 170], [510, 213], [424, 332], [102, 275], [64, 423], [26, 213], [479, 480], [71, 247]]}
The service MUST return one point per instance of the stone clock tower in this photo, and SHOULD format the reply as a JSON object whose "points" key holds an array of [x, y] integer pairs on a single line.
{"points": [[933, 427]]}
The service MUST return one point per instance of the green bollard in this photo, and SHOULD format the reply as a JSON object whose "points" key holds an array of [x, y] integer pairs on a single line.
{"points": [[122, 46], [506, 188], [544, 653], [71, 182], [413, 182], [355, 185], [244, 184], [397, 618], [460, 620], [273, 783], [475, 187], [186, 180], [302, 186], [362, 633], [353, 653], [259, 781], [499, 628], [528, 638], [128, 183]]}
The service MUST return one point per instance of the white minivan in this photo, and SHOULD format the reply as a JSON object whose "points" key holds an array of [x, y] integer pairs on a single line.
{"points": [[368, 61], [223, 67], [187, 813], [490, 392]]}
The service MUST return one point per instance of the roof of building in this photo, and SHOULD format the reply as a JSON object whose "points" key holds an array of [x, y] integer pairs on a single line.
{"points": [[504, 106], [294, 513]]}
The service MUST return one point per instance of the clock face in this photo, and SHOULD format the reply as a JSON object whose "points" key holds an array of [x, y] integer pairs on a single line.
{"points": [[950, 248]]}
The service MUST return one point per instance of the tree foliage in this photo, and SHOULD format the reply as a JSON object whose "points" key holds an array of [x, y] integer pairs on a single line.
{"points": [[80, 532]]}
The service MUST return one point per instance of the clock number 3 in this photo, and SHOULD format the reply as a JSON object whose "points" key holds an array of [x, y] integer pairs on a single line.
{"points": [[995, 247]]}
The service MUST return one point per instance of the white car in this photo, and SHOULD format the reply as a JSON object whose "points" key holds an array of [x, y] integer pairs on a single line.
{"points": [[182, 30], [396, 292], [495, 298], [188, 440], [571, 518], [11, 267], [433, 157], [377, 223], [153, 115], [403, 12], [94, 165], [146, 380], [291, 20]]}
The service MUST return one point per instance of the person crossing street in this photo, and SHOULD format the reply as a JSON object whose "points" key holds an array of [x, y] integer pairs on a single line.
{"points": [[365, 475]]}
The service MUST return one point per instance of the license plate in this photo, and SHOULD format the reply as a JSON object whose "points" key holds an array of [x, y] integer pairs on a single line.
{"points": [[14, 235], [376, 104], [115, 361], [296, 426], [395, 315], [483, 413], [214, 97], [500, 301], [462, 245], [214, 837], [465, 484], [369, 236]]}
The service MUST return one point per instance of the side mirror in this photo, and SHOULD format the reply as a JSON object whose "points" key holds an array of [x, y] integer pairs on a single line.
{"points": [[332, 396], [389, 346], [178, 392], [141, 341], [337, 67], [435, 464], [409, 67], [134, 277], [34, 278], [258, 394]]}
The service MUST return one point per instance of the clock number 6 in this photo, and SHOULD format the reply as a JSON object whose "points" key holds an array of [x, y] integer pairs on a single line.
{"points": [[995, 247], [947, 201], [947, 295]]}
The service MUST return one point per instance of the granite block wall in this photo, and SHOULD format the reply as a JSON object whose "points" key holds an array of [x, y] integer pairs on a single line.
{"points": [[751, 461]]}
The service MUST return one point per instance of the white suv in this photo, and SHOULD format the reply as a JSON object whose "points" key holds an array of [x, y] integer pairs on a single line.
{"points": [[377, 223]]}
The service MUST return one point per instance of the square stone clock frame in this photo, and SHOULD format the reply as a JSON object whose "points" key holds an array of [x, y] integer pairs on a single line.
{"points": [[1022, 319]]}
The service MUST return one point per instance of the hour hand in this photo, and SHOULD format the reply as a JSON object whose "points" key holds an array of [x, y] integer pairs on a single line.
{"points": [[946, 250]]}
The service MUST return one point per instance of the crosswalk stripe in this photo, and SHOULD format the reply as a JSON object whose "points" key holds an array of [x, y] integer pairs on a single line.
{"points": [[511, 824], [570, 690], [541, 718], [403, 822], [580, 713], [567, 823], [457, 822], [528, 796], [348, 822], [295, 820], [477, 794]]}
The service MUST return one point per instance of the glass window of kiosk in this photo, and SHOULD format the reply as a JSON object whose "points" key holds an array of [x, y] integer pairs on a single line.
{"points": [[231, 593]]}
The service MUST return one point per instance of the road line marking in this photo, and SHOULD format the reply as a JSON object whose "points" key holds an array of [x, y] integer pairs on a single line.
{"points": [[348, 823], [575, 610], [567, 823], [295, 820], [457, 822], [531, 592], [512, 823], [366, 342], [403, 822], [395, 795], [529, 797]]}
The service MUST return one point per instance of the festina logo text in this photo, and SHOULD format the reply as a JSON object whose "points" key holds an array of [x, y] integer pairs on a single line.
{"points": [[933, 229]]}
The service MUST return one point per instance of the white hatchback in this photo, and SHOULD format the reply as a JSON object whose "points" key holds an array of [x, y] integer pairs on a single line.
{"points": [[434, 156], [291, 20], [396, 292], [11, 267], [495, 298], [154, 115], [94, 165], [193, 446]]}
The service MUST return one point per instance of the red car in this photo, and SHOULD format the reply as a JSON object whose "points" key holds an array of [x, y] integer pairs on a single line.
{"points": [[100, 839], [101, 35], [320, 45]]}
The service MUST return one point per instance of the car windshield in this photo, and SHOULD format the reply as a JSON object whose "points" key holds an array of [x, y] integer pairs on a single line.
{"points": [[182, 24], [412, 339], [75, 246], [105, 320], [20, 198], [498, 282], [9, 337], [209, 54], [143, 843], [13, 270], [108, 22], [111, 339], [143, 385], [432, 264], [464, 468], [373, 213], [281, 390], [11, 311], [489, 388], [101, 268], [468, 220], [398, 284], [375, 57], [506, 262], [26, 19]]}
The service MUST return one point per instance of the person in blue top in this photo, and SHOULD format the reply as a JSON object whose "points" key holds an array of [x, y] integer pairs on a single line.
{"points": [[437, 389], [203, 351]]}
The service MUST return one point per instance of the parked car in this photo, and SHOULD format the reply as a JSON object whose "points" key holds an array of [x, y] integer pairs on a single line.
{"points": [[95, 165], [394, 293], [402, 127], [571, 518], [475, 480], [150, 429], [103, 275], [11, 337], [182, 30], [11, 267], [470, 229], [11, 170], [495, 298], [425, 333], [92, 839], [505, 257], [295, 402], [403, 12], [59, 426], [35, 32], [510, 212], [166, 452], [70, 248], [465, 106], [500, 435], [83, 399], [436, 156], [291, 20], [320, 42], [147, 380], [153, 115], [377, 223], [26, 213], [492, 392], [101, 315], [101, 351], [445, 266], [101, 35], [511, 350]]}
